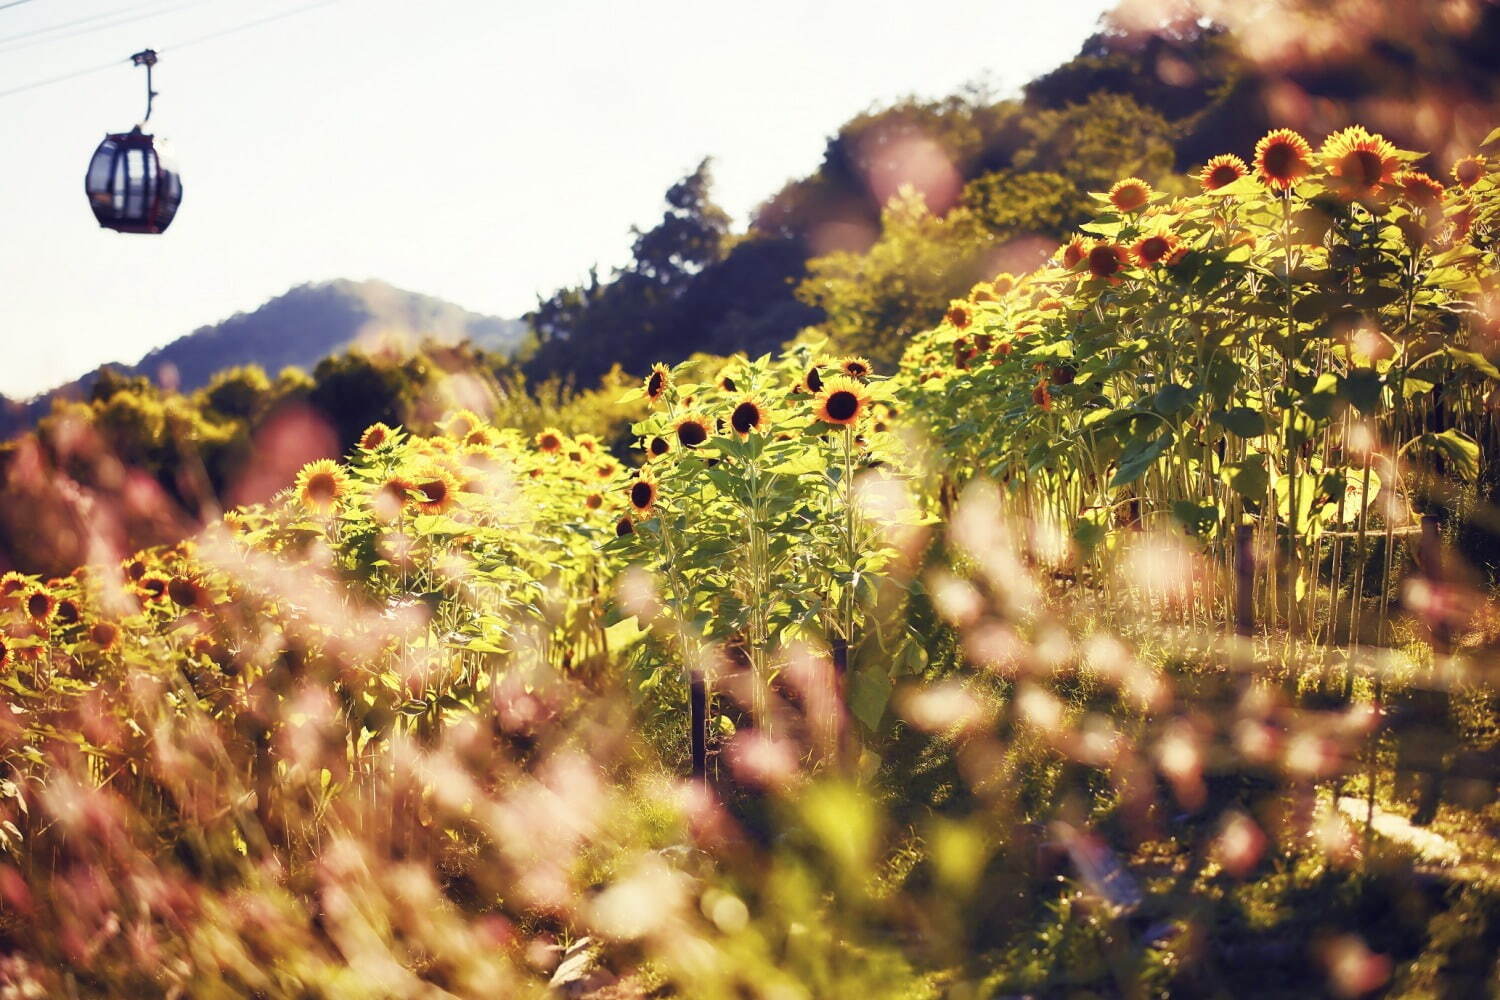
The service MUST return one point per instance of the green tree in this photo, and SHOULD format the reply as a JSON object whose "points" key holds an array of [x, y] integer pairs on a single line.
{"points": [[1096, 142], [875, 301]]}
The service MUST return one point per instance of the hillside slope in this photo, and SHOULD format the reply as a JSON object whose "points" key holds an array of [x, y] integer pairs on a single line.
{"points": [[299, 328]]}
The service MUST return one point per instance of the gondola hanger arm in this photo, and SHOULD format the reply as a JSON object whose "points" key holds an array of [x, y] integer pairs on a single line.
{"points": [[146, 58]]}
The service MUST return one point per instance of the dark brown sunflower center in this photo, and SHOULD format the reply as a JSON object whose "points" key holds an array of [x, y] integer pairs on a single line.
{"points": [[549, 443], [1468, 172], [183, 592], [1130, 197], [692, 434], [1104, 261], [842, 405], [641, 495], [659, 447], [1282, 160], [39, 605], [856, 370], [1153, 248], [814, 380], [434, 491], [1224, 173], [322, 487], [655, 384], [745, 418], [1363, 167]]}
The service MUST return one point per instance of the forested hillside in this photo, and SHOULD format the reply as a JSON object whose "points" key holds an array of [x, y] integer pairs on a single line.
{"points": [[295, 330], [1001, 179]]}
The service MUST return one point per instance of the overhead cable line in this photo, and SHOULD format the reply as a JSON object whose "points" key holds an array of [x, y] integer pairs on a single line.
{"points": [[134, 14], [250, 24], [13, 3], [186, 43], [49, 28]]}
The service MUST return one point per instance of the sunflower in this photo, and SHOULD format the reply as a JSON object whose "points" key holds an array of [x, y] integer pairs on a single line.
{"points": [[104, 634], [983, 292], [12, 583], [1130, 194], [624, 527], [842, 401], [1106, 260], [691, 432], [1003, 283], [67, 612], [152, 586], [726, 381], [593, 501], [1041, 396], [185, 591], [549, 441], [658, 382], [1153, 248], [813, 378], [1420, 189], [607, 469], [747, 417], [959, 316], [374, 436], [4, 653], [40, 604], [1281, 158], [856, 367], [459, 425], [482, 437], [1074, 252], [588, 442], [642, 494], [320, 485], [389, 499], [435, 489], [1359, 164], [1468, 171], [658, 446], [1222, 171]]}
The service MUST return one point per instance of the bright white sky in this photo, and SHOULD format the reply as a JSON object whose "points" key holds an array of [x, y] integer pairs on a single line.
{"points": [[479, 150]]}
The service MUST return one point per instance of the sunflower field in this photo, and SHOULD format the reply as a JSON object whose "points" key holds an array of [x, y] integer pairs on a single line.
{"points": [[1134, 637]]}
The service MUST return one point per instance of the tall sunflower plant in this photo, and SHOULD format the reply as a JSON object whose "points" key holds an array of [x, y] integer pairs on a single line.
{"points": [[1304, 336], [746, 509]]}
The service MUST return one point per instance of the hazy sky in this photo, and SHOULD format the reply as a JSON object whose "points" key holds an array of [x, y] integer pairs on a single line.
{"points": [[479, 151]]}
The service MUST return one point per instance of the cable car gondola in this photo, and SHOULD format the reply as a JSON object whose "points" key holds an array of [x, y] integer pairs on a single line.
{"points": [[131, 184]]}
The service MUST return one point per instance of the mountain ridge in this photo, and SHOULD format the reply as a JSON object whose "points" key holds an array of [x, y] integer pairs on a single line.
{"points": [[297, 328]]}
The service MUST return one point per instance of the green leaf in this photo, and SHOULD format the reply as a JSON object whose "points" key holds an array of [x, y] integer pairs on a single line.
{"points": [[869, 693], [1361, 387], [1200, 519], [1243, 421], [1249, 478], [1474, 360], [1459, 450], [1172, 398], [1137, 458], [623, 634]]}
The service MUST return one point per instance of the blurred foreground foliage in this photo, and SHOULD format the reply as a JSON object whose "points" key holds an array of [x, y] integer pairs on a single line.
{"points": [[414, 725]]}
